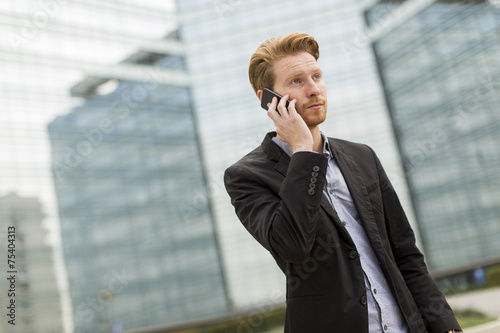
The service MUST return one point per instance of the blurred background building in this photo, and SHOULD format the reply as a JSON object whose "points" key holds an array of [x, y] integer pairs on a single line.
{"points": [[37, 298], [441, 74], [123, 135], [125, 166]]}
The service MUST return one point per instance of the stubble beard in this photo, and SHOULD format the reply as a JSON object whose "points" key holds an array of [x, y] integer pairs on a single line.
{"points": [[314, 117]]}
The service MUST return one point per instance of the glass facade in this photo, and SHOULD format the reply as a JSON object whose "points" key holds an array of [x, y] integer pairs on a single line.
{"points": [[125, 164], [441, 75]]}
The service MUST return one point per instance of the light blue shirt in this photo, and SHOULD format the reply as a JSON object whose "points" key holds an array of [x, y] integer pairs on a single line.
{"points": [[384, 315]]}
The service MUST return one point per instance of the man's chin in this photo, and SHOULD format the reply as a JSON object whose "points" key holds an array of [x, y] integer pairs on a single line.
{"points": [[314, 123], [316, 119]]}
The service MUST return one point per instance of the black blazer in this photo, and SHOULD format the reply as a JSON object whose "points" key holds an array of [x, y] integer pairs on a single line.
{"points": [[280, 202]]}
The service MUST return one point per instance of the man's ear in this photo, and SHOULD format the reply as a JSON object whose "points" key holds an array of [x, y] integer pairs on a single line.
{"points": [[259, 94]]}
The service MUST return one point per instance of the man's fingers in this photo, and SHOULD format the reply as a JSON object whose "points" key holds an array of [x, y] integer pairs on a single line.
{"points": [[271, 111], [291, 107], [272, 105], [282, 105], [273, 115]]}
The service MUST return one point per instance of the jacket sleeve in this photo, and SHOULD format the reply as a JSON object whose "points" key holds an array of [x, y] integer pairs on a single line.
{"points": [[434, 309], [282, 218]]}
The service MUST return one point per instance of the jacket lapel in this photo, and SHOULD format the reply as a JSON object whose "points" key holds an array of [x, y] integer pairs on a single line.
{"points": [[282, 164], [359, 194], [276, 154]]}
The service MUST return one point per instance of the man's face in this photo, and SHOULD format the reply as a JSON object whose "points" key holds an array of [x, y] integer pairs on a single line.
{"points": [[300, 77]]}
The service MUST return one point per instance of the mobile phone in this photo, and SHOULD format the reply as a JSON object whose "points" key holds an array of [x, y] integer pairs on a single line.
{"points": [[267, 97]]}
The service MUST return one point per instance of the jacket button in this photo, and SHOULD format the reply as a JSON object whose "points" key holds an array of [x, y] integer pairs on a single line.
{"points": [[363, 300], [316, 168], [314, 180], [312, 185], [353, 254], [314, 174], [311, 191]]}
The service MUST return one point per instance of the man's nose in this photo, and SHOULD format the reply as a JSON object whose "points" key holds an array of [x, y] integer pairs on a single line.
{"points": [[313, 89]]}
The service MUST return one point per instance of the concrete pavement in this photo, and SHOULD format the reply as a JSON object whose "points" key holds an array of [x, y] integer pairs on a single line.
{"points": [[493, 327], [487, 301]]}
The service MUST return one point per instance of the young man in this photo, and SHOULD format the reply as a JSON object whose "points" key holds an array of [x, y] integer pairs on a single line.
{"points": [[326, 211]]}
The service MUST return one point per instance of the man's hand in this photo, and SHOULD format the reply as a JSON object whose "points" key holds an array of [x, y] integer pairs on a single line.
{"points": [[290, 126]]}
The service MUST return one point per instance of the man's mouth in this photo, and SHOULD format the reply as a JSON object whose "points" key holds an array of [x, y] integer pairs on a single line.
{"points": [[315, 106]]}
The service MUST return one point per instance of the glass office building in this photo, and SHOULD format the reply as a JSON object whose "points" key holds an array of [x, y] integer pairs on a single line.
{"points": [[441, 75], [139, 249]]}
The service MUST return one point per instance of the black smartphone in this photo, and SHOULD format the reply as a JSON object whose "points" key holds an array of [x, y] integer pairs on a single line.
{"points": [[267, 97]]}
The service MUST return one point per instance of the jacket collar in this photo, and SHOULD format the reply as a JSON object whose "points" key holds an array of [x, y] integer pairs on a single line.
{"points": [[275, 153]]}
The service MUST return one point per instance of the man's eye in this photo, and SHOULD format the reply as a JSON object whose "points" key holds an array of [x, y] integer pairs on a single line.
{"points": [[317, 77], [296, 81]]}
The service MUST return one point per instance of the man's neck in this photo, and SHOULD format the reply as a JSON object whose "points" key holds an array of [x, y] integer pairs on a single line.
{"points": [[317, 139]]}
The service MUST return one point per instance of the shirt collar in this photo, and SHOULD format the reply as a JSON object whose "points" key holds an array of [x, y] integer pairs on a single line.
{"points": [[288, 150]]}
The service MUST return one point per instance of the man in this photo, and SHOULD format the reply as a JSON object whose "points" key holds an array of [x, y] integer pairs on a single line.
{"points": [[326, 211]]}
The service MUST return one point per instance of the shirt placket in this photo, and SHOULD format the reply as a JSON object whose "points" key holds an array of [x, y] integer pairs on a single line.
{"points": [[336, 204]]}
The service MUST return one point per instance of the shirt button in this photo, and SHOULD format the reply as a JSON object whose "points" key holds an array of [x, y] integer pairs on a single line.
{"points": [[331, 191], [385, 327], [343, 223], [353, 254], [374, 291], [363, 300], [316, 168]]}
